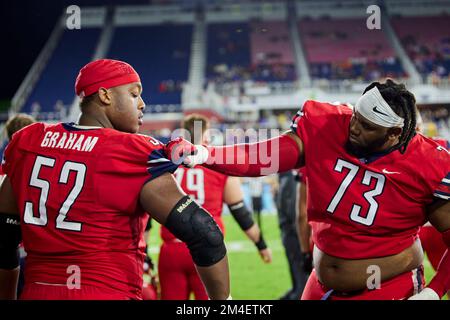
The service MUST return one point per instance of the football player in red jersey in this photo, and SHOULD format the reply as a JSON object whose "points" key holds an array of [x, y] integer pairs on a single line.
{"points": [[177, 275], [369, 191], [81, 192]]}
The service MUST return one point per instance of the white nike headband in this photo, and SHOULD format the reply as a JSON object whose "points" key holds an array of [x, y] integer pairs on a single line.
{"points": [[374, 108]]}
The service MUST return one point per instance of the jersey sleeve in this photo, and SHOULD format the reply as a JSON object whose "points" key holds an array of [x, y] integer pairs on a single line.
{"points": [[304, 121], [443, 142], [298, 120], [315, 118], [442, 191], [441, 165], [157, 161], [128, 162]]}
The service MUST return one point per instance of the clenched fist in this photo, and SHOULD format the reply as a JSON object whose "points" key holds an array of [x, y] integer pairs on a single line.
{"points": [[181, 151]]}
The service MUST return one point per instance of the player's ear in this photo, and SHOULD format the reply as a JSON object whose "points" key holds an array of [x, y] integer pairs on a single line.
{"points": [[105, 96]]}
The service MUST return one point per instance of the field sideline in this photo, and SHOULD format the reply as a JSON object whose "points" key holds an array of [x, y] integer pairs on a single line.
{"points": [[250, 278]]}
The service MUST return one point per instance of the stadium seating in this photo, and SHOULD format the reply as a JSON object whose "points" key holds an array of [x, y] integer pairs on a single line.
{"points": [[426, 41], [228, 53], [260, 51], [74, 49], [271, 52], [346, 49], [160, 54]]}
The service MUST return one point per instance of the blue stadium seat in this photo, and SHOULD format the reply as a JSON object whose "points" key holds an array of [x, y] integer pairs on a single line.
{"points": [[160, 54], [75, 49], [229, 44]]}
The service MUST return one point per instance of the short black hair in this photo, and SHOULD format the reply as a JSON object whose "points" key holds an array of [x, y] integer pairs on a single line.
{"points": [[403, 103]]}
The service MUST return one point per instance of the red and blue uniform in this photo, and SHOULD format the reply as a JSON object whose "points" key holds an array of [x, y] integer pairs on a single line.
{"points": [[77, 191], [362, 208]]}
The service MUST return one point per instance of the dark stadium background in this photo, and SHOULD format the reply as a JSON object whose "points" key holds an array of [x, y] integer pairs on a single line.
{"points": [[25, 26]]}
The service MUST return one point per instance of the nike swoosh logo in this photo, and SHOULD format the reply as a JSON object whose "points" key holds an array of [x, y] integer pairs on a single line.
{"points": [[378, 111], [440, 148], [390, 172]]}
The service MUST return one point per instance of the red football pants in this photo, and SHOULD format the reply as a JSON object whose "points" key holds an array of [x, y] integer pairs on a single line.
{"points": [[35, 291], [433, 244], [400, 287], [178, 276]]}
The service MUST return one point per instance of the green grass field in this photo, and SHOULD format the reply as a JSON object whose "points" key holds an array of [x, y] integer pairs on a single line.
{"points": [[250, 278]]}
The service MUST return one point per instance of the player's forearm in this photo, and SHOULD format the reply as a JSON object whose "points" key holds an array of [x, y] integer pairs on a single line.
{"points": [[256, 236], [253, 233], [304, 232], [244, 218], [8, 283], [303, 227], [255, 159], [216, 279]]}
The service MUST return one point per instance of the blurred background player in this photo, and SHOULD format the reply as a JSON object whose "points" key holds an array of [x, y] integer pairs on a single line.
{"points": [[81, 192], [13, 125], [177, 275], [18, 122], [286, 200], [255, 186], [372, 158]]}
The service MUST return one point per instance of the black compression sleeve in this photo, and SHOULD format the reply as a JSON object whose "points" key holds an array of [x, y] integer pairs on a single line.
{"points": [[242, 215], [261, 244], [10, 237]]}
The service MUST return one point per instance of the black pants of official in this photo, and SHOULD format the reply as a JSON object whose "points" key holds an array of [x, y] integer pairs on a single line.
{"points": [[286, 205]]}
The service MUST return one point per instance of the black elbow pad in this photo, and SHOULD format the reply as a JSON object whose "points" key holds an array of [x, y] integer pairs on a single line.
{"points": [[242, 216], [193, 225], [10, 237]]}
